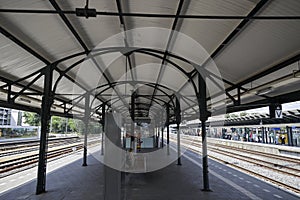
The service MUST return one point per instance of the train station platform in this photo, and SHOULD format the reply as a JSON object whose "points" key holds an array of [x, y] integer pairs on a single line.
{"points": [[69, 180]]}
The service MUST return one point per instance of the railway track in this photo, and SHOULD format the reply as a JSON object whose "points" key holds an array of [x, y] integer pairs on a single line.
{"points": [[12, 163], [13, 148], [221, 153]]}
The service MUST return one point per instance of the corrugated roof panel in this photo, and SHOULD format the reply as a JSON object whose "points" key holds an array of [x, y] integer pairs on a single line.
{"points": [[261, 45], [16, 62], [276, 75], [172, 78], [46, 34], [185, 66], [93, 30], [28, 4], [139, 22], [221, 7], [281, 8], [148, 72], [141, 59], [208, 33], [103, 5], [117, 69], [65, 86], [153, 6]]}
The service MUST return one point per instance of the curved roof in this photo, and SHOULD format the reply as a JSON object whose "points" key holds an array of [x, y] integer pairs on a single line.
{"points": [[154, 48]]}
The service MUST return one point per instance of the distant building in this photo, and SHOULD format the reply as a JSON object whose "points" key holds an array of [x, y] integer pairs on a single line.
{"points": [[10, 117]]}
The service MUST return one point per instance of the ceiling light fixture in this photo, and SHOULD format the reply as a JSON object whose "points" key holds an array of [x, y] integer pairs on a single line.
{"points": [[264, 91], [86, 11], [24, 100], [296, 73]]}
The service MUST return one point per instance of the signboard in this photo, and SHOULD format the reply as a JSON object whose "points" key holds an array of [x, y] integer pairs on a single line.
{"points": [[275, 111], [278, 113]]}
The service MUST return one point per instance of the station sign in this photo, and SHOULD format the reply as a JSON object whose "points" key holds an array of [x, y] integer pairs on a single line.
{"points": [[276, 111]]}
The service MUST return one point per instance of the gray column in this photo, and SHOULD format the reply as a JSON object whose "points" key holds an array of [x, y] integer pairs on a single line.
{"points": [[112, 156]]}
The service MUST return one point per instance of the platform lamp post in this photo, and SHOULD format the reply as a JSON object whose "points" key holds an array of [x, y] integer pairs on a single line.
{"points": [[87, 112], [203, 117], [47, 101]]}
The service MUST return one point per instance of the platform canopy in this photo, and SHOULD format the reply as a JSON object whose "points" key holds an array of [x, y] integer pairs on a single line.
{"points": [[148, 53]]}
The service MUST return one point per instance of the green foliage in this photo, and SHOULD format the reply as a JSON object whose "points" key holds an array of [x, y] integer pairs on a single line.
{"points": [[243, 114], [72, 125], [234, 116], [58, 124], [33, 119], [93, 127]]}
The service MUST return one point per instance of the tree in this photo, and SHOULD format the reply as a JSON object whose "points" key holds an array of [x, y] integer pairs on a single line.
{"points": [[72, 125], [243, 114], [56, 124], [234, 115], [32, 119]]}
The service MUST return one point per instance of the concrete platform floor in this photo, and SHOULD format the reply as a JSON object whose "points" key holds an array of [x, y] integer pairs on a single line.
{"points": [[74, 182]]}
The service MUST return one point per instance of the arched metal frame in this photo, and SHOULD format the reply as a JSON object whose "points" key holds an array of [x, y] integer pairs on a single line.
{"points": [[121, 49], [244, 20], [138, 82]]}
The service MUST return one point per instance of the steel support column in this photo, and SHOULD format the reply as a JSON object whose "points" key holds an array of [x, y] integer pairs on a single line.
{"points": [[162, 137], [203, 117], [47, 101], [267, 135], [103, 129], [289, 135], [263, 131], [178, 120], [86, 127], [132, 138], [168, 129]]}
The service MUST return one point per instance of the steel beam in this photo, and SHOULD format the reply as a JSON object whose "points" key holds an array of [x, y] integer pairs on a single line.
{"points": [[23, 45], [69, 25], [170, 44], [152, 15], [230, 38]]}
